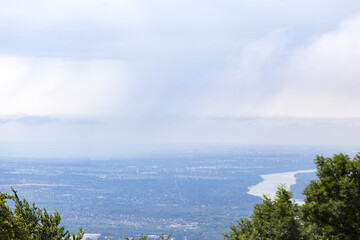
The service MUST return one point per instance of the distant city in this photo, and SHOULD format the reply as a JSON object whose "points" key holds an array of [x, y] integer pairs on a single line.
{"points": [[194, 195]]}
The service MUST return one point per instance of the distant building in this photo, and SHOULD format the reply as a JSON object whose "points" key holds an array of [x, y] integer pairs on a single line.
{"points": [[91, 236], [155, 237]]}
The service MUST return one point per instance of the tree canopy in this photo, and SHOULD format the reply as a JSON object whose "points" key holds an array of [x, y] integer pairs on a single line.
{"points": [[272, 219], [162, 237], [28, 222], [331, 209]]}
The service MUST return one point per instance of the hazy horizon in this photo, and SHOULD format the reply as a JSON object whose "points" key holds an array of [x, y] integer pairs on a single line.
{"points": [[51, 152]]}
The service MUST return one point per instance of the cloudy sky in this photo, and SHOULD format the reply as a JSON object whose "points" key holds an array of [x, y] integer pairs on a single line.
{"points": [[97, 78]]}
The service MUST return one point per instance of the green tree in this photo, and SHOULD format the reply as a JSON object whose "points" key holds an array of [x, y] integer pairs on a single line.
{"points": [[331, 210], [11, 226], [276, 219], [162, 237], [28, 222], [332, 203]]}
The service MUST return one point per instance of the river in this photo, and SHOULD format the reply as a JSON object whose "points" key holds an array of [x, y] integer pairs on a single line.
{"points": [[271, 182]]}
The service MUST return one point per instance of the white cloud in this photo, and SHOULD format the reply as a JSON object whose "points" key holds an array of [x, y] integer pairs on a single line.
{"points": [[322, 78], [316, 80], [244, 89], [189, 70], [54, 86], [39, 14], [133, 28]]}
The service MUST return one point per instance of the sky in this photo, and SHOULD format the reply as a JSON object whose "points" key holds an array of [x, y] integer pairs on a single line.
{"points": [[99, 78]]}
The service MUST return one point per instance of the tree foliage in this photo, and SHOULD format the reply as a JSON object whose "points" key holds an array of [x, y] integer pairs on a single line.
{"points": [[162, 237], [332, 203], [272, 219], [28, 222], [331, 209]]}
